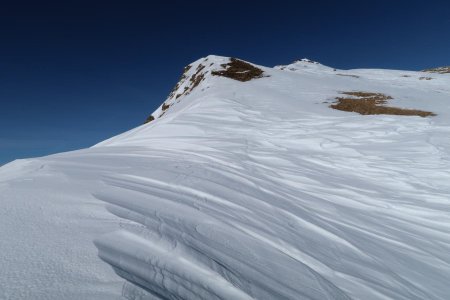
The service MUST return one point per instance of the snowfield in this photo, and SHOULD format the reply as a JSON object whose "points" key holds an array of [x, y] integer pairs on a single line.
{"points": [[243, 190]]}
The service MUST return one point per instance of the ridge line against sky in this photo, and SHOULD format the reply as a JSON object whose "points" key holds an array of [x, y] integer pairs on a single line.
{"points": [[75, 73]]}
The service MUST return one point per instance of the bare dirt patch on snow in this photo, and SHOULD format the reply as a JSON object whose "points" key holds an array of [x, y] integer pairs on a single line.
{"points": [[149, 119], [239, 70], [440, 70], [367, 103]]}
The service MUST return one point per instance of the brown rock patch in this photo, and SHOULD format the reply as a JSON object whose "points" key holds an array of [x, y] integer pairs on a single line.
{"points": [[165, 106], [197, 77], [149, 119], [239, 70], [366, 103], [440, 70]]}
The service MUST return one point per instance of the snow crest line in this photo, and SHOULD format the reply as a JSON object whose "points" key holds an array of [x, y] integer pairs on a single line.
{"points": [[243, 190], [176, 224]]}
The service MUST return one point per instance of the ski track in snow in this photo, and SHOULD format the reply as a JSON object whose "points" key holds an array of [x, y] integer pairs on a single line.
{"points": [[251, 190]]}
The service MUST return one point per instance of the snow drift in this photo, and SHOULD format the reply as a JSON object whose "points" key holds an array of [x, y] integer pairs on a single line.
{"points": [[243, 189]]}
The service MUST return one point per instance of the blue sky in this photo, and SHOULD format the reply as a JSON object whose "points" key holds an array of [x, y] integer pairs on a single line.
{"points": [[75, 73]]}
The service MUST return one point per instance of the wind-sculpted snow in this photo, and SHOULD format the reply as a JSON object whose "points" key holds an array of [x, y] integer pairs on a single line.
{"points": [[244, 190]]}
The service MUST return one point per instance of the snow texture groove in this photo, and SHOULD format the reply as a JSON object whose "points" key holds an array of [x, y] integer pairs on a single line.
{"points": [[243, 190]]}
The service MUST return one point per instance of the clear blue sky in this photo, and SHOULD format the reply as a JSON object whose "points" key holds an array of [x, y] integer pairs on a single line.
{"points": [[75, 73]]}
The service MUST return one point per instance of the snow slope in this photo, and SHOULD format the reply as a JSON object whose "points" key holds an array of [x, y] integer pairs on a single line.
{"points": [[243, 190]]}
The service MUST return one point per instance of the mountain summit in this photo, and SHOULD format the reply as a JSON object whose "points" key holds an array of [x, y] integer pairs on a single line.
{"points": [[248, 182]]}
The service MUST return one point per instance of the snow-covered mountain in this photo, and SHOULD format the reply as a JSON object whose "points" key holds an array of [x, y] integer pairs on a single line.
{"points": [[245, 184]]}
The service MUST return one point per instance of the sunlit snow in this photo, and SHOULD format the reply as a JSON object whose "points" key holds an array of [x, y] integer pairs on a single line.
{"points": [[243, 190]]}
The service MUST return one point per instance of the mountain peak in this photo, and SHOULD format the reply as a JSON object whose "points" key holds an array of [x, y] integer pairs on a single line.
{"points": [[199, 71], [306, 60], [231, 194], [302, 65]]}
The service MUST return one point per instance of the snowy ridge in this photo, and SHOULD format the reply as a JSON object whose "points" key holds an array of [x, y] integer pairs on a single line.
{"points": [[250, 190], [305, 65], [194, 74]]}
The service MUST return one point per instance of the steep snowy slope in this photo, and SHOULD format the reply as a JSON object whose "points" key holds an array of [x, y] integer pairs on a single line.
{"points": [[243, 189]]}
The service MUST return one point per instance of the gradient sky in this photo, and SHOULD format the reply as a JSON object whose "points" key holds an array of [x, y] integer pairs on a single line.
{"points": [[75, 73]]}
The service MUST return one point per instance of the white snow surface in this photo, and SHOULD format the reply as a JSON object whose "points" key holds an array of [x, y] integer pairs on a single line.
{"points": [[243, 190]]}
